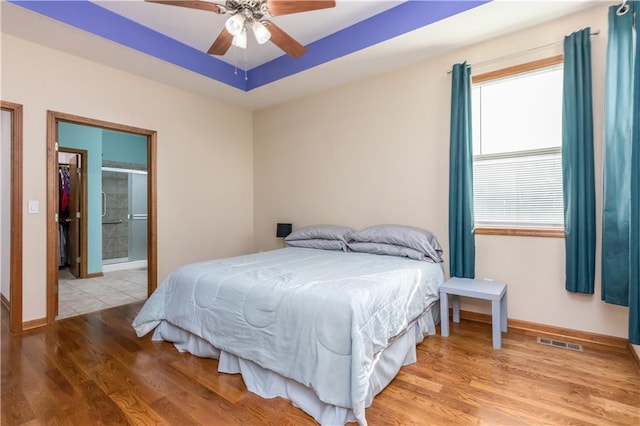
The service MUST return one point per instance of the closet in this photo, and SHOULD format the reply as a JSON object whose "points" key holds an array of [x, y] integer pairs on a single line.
{"points": [[69, 215]]}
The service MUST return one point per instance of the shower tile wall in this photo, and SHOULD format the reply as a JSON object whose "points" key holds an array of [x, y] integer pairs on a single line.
{"points": [[115, 236]]}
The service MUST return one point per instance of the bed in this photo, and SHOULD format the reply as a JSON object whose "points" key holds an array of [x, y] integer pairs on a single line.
{"points": [[327, 329]]}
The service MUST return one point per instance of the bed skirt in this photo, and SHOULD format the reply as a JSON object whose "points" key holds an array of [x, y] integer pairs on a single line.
{"points": [[267, 384]]}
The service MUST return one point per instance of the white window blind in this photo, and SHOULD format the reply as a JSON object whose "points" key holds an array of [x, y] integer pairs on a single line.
{"points": [[522, 189], [517, 163]]}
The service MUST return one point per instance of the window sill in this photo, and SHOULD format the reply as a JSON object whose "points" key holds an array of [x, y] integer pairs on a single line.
{"points": [[521, 232]]}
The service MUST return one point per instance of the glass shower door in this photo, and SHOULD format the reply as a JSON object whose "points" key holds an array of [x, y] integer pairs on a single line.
{"points": [[137, 216]]}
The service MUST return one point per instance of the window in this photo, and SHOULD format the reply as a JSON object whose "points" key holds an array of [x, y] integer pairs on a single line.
{"points": [[517, 159]]}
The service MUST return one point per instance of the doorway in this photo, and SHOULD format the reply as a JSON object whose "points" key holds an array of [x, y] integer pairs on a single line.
{"points": [[72, 212], [112, 269], [55, 119], [11, 205]]}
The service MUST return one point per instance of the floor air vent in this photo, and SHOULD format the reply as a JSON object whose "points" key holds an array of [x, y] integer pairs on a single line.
{"points": [[560, 344]]}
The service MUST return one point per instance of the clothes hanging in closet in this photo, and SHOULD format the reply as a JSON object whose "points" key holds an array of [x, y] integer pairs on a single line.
{"points": [[64, 189], [62, 246]]}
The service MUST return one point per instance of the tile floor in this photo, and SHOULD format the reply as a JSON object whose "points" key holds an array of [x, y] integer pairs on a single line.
{"points": [[80, 296]]}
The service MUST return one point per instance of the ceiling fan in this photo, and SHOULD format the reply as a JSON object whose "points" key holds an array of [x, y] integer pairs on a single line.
{"points": [[249, 15]]}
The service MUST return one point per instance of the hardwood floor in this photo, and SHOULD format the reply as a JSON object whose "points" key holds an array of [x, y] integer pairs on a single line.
{"points": [[92, 369]]}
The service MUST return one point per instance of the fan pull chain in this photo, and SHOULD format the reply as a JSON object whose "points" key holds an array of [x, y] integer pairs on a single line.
{"points": [[246, 76], [235, 61]]}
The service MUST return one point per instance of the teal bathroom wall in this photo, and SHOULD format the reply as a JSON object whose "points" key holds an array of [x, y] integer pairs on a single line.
{"points": [[124, 147], [101, 145], [89, 139]]}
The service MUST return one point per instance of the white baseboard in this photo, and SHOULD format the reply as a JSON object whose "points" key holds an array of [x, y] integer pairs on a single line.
{"points": [[137, 264]]}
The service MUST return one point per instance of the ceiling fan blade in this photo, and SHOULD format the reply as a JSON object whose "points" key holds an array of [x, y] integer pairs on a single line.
{"points": [[284, 41], [222, 43], [192, 4], [286, 7]]}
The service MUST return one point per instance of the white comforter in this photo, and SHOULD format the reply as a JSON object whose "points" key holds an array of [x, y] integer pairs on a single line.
{"points": [[315, 316]]}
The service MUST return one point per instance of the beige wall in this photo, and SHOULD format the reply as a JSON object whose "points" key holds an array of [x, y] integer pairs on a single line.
{"points": [[204, 163], [376, 151]]}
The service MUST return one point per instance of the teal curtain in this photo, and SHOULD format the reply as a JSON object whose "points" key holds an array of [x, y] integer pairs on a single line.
{"points": [[461, 220], [634, 260], [577, 164], [617, 159]]}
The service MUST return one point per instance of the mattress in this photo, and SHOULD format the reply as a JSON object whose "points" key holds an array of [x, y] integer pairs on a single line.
{"points": [[320, 320]]}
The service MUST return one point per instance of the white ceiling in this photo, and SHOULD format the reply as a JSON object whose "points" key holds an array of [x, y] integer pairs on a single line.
{"points": [[198, 29], [203, 27]]}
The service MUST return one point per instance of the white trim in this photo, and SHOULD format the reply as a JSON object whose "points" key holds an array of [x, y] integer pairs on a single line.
{"points": [[115, 169], [136, 264]]}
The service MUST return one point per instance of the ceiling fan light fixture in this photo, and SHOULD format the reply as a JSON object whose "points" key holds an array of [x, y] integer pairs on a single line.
{"points": [[260, 31], [243, 14], [235, 24], [240, 40]]}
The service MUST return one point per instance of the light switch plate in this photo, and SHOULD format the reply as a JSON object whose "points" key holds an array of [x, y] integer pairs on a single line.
{"points": [[33, 206]]}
